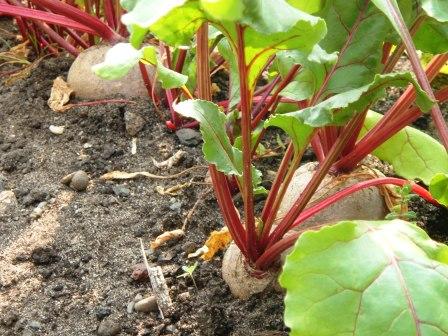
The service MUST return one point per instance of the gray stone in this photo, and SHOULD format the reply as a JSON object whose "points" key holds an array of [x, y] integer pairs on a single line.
{"points": [[176, 206], [79, 181], [35, 325], [146, 305], [109, 327], [183, 297], [121, 191], [134, 123], [189, 137]]}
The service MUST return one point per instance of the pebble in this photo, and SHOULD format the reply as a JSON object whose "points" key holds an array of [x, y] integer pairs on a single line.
{"points": [[121, 191], [35, 325], [183, 297], [138, 297], [102, 312], [134, 123], [58, 130], [78, 180], [146, 305], [8, 202], [35, 196], [176, 206], [130, 307], [38, 211], [171, 329], [108, 327], [189, 137]]}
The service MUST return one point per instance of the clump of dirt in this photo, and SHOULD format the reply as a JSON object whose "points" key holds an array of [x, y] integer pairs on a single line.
{"points": [[66, 271]]}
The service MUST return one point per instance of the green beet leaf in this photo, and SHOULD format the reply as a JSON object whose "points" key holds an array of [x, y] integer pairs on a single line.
{"points": [[432, 37], [337, 109], [439, 188], [412, 153], [356, 30], [118, 61], [366, 278], [308, 6], [223, 10], [299, 133], [217, 147], [170, 79], [438, 9]]}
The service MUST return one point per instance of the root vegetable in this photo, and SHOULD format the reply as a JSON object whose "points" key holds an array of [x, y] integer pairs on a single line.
{"points": [[236, 274], [365, 204], [87, 85]]}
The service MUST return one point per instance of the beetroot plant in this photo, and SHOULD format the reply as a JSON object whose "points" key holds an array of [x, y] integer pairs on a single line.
{"points": [[314, 69]]}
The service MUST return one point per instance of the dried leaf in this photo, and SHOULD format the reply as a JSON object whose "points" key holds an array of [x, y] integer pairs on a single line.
{"points": [[218, 240], [165, 237], [60, 95], [121, 175], [174, 190], [172, 161]]}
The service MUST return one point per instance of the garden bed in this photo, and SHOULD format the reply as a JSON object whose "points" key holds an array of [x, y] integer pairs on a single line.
{"points": [[69, 271]]}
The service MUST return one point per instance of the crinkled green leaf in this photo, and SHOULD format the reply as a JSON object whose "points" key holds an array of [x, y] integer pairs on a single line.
{"points": [[412, 153], [170, 79], [179, 27], [226, 52], [439, 188], [118, 61], [137, 35], [338, 109], [223, 10], [299, 133], [432, 37], [270, 16], [303, 36], [438, 9], [217, 147], [311, 75], [145, 13], [356, 30], [308, 6], [366, 278]]}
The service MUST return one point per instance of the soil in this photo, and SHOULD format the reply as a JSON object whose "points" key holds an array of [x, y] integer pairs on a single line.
{"points": [[68, 272]]}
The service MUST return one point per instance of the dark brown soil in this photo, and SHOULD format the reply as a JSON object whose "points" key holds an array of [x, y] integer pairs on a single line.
{"points": [[68, 271], [65, 272]]}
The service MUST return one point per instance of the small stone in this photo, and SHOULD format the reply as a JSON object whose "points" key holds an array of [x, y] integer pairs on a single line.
{"points": [[87, 145], [184, 297], [58, 130], [176, 206], [35, 196], [189, 137], [130, 307], [35, 325], [109, 327], [36, 213], [134, 123], [121, 191], [138, 297], [171, 329], [8, 202], [146, 305], [80, 181], [102, 312]]}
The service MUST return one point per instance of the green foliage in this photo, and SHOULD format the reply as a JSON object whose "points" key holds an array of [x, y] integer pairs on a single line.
{"points": [[217, 147], [437, 9], [412, 153], [438, 188], [432, 37], [366, 278], [118, 61], [401, 211], [339, 108]]}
